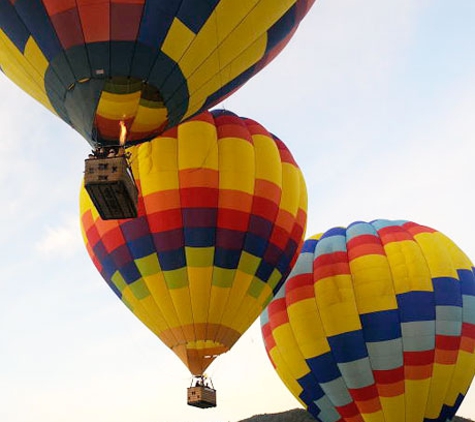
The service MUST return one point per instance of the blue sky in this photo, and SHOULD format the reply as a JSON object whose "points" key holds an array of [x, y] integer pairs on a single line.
{"points": [[376, 100]]}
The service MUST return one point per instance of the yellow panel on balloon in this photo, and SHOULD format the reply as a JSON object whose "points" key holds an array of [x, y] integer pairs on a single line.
{"points": [[408, 268], [373, 285], [146, 117], [25, 70], [118, 106]]}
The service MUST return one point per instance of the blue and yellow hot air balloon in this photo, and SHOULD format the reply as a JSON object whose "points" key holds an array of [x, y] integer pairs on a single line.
{"points": [[376, 323], [149, 64], [222, 213]]}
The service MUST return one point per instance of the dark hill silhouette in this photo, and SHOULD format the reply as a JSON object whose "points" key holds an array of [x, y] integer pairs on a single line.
{"points": [[300, 415]]}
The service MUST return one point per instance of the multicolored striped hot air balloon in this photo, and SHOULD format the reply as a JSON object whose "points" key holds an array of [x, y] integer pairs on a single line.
{"points": [[376, 323], [222, 213], [148, 63]]}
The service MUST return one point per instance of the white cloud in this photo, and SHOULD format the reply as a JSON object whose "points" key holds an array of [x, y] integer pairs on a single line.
{"points": [[62, 240]]}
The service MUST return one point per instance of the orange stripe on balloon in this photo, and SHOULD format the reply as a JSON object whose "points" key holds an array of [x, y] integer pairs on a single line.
{"points": [[391, 390], [236, 200], [393, 234], [363, 250], [419, 372], [364, 245], [87, 220], [467, 345], [198, 177], [415, 228], [162, 200], [329, 265], [369, 406], [268, 190], [467, 342], [234, 131], [446, 357], [285, 220], [304, 291]]}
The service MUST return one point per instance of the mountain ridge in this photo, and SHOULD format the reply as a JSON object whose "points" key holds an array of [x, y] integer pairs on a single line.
{"points": [[301, 415]]}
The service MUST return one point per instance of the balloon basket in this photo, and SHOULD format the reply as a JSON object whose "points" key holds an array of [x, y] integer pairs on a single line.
{"points": [[111, 187], [202, 393], [202, 397]]}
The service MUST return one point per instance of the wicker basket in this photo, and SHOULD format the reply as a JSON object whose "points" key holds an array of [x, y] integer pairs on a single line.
{"points": [[201, 397], [111, 186]]}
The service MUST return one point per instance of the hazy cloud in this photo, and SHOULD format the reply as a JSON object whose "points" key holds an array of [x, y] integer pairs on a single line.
{"points": [[61, 240]]}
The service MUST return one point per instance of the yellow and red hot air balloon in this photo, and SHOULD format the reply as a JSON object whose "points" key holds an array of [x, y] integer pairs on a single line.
{"points": [[148, 63], [222, 213], [376, 323]]}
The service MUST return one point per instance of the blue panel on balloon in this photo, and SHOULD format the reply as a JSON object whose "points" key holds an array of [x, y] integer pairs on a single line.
{"points": [[12, 25], [130, 272], [226, 258], [311, 389], [255, 245], [199, 236], [141, 247], [172, 260], [381, 326], [264, 271], [348, 347], [157, 11], [447, 291], [309, 246], [35, 17], [195, 13], [280, 29], [100, 251], [467, 282], [324, 367], [416, 306]]}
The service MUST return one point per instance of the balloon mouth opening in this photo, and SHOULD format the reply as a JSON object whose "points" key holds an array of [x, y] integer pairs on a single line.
{"points": [[128, 111]]}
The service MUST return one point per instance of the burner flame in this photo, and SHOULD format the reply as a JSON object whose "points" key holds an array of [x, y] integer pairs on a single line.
{"points": [[123, 133]]}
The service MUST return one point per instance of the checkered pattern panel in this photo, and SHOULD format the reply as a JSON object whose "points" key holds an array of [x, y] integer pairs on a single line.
{"points": [[376, 322], [222, 212]]}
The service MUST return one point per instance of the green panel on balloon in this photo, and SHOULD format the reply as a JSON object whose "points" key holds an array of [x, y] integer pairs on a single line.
{"points": [[195, 266]]}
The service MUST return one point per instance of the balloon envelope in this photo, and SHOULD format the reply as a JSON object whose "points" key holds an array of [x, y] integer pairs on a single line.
{"points": [[376, 322], [222, 211], [148, 63]]}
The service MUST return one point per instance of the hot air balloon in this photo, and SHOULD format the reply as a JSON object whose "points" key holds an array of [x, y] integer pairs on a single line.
{"points": [[222, 212], [376, 322], [147, 63]]}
